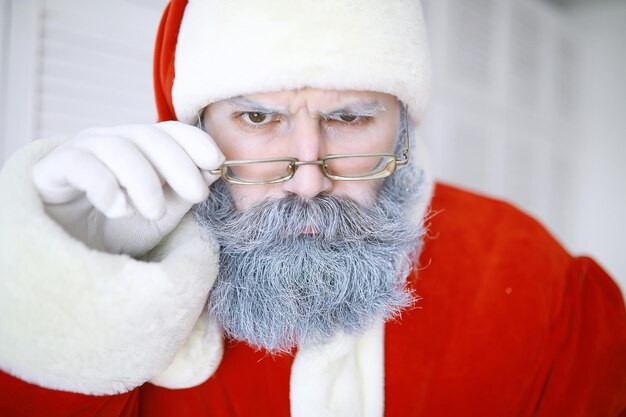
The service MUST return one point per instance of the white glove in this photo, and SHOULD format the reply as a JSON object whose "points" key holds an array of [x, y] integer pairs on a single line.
{"points": [[122, 189]]}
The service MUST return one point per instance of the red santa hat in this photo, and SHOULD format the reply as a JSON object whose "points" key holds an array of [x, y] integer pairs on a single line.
{"points": [[209, 50]]}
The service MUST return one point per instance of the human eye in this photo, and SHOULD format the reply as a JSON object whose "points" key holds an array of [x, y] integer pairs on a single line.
{"points": [[349, 119], [255, 118]]}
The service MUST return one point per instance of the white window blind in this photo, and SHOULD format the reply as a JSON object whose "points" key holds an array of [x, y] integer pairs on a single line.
{"points": [[471, 41], [4, 51], [526, 64], [505, 89], [73, 64], [96, 64]]}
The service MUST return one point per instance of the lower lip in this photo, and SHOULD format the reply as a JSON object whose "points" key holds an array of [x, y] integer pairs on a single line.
{"points": [[308, 230]]}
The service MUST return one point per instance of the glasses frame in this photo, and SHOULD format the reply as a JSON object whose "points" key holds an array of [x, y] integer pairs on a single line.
{"points": [[294, 163]]}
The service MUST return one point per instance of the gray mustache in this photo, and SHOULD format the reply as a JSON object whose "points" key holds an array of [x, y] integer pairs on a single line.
{"points": [[334, 219], [278, 287]]}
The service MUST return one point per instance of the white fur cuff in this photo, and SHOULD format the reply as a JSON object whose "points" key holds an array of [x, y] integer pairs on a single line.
{"points": [[79, 320], [197, 360]]}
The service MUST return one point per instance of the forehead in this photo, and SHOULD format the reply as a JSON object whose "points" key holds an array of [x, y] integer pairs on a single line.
{"points": [[312, 99]]}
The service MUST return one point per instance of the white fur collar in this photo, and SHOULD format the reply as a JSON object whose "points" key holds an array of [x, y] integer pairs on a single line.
{"points": [[344, 378]]}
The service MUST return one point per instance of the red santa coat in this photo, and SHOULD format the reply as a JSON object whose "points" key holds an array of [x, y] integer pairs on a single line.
{"points": [[508, 324]]}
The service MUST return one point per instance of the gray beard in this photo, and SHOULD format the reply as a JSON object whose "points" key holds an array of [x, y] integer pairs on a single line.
{"points": [[278, 287]]}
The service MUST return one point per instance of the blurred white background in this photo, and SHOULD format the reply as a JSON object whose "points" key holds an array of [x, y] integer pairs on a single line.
{"points": [[529, 106]]}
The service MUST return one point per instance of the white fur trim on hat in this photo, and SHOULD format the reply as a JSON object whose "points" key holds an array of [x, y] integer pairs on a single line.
{"points": [[231, 48]]}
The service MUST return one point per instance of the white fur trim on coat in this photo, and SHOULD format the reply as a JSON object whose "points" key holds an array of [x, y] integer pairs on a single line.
{"points": [[344, 378], [230, 48], [197, 359], [75, 319]]}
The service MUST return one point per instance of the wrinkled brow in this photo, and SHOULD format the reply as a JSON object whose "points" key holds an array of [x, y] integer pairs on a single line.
{"points": [[253, 106], [357, 108]]}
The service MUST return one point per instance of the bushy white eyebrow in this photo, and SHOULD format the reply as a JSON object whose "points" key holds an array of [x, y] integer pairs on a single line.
{"points": [[356, 109], [253, 106], [361, 109]]}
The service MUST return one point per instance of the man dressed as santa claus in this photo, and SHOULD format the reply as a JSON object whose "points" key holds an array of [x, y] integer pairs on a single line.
{"points": [[272, 247]]}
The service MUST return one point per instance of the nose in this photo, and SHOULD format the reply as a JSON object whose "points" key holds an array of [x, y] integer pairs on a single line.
{"points": [[308, 145]]}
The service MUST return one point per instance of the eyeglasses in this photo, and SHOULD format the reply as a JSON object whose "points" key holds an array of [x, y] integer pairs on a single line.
{"points": [[337, 167]]}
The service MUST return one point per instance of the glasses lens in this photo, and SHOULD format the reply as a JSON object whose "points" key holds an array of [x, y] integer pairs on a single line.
{"points": [[259, 172], [361, 166]]}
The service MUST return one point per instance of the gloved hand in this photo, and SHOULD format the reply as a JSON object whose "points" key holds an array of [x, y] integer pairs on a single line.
{"points": [[122, 189]]}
